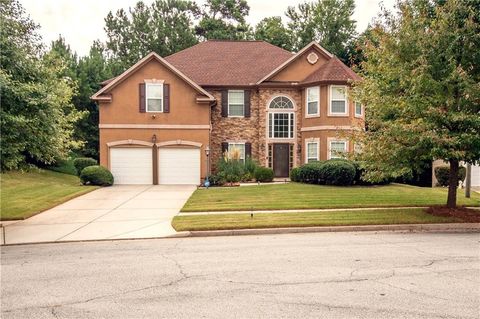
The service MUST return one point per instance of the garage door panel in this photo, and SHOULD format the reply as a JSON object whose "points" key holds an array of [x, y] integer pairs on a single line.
{"points": [[131, 165], [475, 173], [179, 165]]}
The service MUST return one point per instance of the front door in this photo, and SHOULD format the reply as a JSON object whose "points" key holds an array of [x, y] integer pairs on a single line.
{"points": [[281, 159]]}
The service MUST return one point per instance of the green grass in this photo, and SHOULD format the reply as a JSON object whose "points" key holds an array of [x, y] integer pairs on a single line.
{"points": [[335, 218], [304, 196], [24, 194]]}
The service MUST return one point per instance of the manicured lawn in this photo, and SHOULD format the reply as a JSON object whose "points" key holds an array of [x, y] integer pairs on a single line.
{"points": [[25, 194], [335, 218], [303, 196]]}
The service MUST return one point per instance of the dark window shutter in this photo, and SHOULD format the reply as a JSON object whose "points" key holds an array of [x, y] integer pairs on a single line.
{"points": [[224, 147], [246, 97], [248, 150], [224, 103], [166, 98], [141, 100]]}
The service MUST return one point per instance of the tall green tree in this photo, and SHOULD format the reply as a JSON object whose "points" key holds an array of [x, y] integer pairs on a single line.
{"points": [[273, 31], [37, 115], [328, 22], [165, 27], [224, 20], [422, 89]]}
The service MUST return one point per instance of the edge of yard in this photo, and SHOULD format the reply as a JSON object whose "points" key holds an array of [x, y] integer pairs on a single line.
{"points": [[308, 219]]}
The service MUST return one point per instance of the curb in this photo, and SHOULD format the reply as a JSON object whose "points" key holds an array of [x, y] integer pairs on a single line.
{"points": [[451, 228]]}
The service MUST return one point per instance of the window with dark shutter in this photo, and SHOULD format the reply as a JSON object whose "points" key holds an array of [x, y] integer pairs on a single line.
{"points": [[247, 103], [224, 147], [224, 103], [166, 98], [141, 99]]}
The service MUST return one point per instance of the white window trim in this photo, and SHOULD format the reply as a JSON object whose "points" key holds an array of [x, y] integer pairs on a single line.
{"points": [[228, 103], [330, 113], [330, 141], [312, 141], [290, 114], [307, 115], [238, 143], [361, 110], [147, 85]]}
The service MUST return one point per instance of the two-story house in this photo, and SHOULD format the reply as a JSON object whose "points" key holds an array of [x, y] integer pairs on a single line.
{"points": [[164, 118]]}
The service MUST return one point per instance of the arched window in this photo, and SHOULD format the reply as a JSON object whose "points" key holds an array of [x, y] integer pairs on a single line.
{"points": [[281, 102], [281, 118]]}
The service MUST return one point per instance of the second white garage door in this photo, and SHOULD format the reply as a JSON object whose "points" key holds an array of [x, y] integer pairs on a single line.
{"points": [[179, 166], [475, 175], [132, 165]]}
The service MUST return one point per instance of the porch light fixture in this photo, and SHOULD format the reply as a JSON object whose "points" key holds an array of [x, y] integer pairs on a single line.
{"points": [[154, 138]]}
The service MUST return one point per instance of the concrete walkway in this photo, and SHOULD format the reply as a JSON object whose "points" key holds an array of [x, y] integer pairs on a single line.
{"points": [[117, 212]]}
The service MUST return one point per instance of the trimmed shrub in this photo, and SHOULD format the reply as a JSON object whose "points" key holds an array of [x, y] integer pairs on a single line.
{"points": [[295, 174], [96, 175], [442, 173], [263, 174], [335, 172], [81, 162], [308, 173], [216, 180]]}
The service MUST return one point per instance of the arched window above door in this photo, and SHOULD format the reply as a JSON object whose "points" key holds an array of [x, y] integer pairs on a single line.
{"points": [[281, 102]]}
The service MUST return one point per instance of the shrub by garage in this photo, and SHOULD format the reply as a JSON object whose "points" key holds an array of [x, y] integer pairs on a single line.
{"points": [[96, 175], [81, 162]]}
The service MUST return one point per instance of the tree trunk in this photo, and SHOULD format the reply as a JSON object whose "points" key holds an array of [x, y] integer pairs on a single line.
{"points": [[453, 184]]}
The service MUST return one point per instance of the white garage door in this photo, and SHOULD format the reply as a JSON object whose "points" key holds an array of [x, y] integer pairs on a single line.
{"points": [[475, 175], [179, 166], [131, 165]]}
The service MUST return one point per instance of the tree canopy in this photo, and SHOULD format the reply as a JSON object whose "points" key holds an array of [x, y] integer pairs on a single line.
{"points": [[272, 30], [422, 89]]}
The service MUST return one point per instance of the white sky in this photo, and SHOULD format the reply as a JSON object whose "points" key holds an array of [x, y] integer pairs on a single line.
{"points": [[81, 22]]}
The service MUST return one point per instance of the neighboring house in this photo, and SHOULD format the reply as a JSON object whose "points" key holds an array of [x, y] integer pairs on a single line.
{"points": [[159, 118]]}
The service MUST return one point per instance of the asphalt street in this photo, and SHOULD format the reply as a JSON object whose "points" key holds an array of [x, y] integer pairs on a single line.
{"points": [[322, 275]]}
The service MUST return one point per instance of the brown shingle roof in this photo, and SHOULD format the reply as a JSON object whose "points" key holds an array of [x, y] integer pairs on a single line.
{"points": [[332, 71], [226, 63]]}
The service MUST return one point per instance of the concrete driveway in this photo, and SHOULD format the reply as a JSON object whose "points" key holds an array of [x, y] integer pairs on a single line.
{"points": [[127, 211]]}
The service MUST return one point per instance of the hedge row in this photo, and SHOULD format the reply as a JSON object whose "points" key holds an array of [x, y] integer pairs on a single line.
{"points": [[338, 172]]}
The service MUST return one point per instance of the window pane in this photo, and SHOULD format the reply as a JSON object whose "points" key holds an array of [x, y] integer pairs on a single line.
{"points": [[338, 107], [280, 125], [235, 110], [154, 105], [281, 102], [338, 93], [312, 94], [312, 108], [312, 150], [337, 148], [154, 91], [238, 147], [235, 97], [358, 108], [291, 124]]}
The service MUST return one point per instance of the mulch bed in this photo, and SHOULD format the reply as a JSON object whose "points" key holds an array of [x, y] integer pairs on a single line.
{"points": [[465, 214]]}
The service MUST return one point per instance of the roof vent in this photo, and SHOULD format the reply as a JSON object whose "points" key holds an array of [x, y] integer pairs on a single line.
{"points": [[312, 58]]}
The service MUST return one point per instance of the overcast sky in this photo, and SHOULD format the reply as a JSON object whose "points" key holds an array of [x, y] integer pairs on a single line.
{"points": [[81, 22]]}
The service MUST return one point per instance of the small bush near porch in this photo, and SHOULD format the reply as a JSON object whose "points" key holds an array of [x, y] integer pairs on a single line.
{"points": [[306, 196]]}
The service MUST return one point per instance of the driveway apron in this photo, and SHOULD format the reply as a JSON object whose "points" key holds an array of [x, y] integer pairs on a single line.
{"points": [[127, 211]]}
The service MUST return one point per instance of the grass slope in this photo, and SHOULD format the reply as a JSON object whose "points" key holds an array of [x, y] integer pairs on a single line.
{"points": [[24, 194], [336, 218], [303, 196]]}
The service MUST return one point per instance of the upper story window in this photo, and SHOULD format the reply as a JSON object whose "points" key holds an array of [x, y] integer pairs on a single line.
{"points": [[313, 101], [338, 100], [312, 151], [281, 118], [337, 149], [154, 97], [236, 103], [358, 109]]}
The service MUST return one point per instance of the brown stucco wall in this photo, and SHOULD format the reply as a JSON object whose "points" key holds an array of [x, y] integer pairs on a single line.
{"points": [[299, 69]]}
